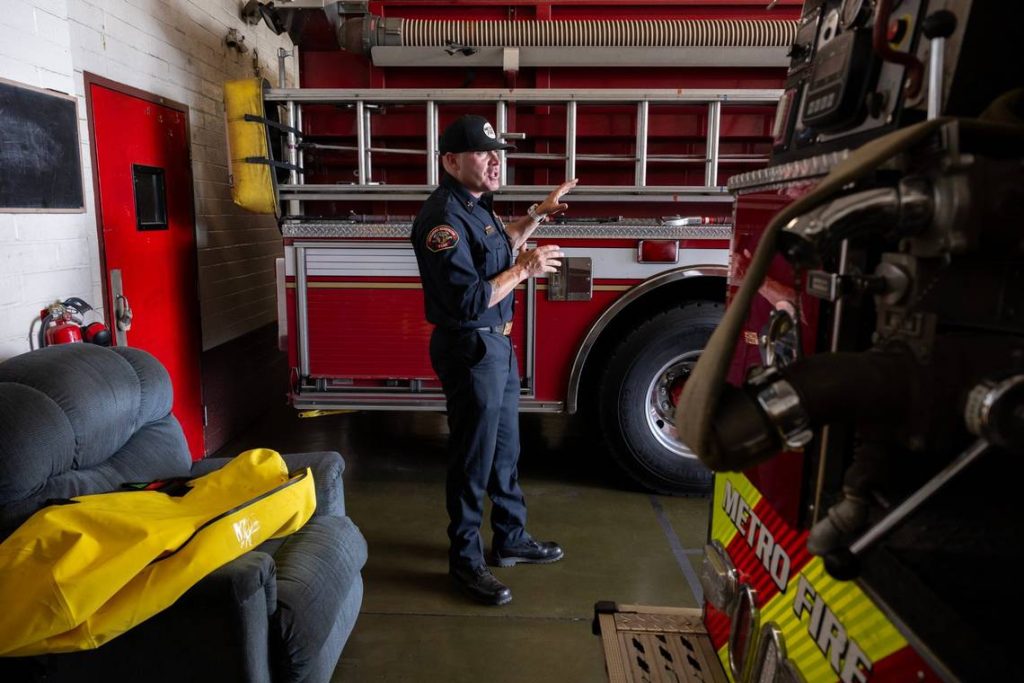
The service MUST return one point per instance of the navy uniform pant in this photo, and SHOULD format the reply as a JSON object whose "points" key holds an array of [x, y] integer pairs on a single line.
{"points": [[480, 378]]}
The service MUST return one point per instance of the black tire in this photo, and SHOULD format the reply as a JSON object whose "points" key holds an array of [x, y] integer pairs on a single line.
{"points": [[635, 398]]}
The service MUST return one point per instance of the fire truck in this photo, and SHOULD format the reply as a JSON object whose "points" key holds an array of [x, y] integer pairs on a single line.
{"points": [[653, 107], [862, 400]]}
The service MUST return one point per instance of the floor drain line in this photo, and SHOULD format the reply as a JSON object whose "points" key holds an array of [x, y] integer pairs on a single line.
{"points": [[678, 551]]}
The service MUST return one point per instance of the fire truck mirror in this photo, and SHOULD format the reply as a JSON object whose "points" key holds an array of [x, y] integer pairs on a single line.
{"points": [[572, 281]]}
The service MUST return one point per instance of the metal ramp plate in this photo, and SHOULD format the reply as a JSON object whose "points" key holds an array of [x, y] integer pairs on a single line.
{"points": [[645, 644]]}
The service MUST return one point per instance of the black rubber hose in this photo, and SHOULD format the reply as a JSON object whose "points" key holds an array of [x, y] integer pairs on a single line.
{"points": [[874, 387], [42, 329]]}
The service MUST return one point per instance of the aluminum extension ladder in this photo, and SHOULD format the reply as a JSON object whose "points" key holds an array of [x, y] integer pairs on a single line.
{"points": [[365, 102]]}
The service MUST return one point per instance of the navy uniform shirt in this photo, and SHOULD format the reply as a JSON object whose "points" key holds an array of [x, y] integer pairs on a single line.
{"points": [[460, 245]]}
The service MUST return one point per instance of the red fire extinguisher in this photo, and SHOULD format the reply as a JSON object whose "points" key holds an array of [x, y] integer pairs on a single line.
{"points": [[62, 330], [63, 322]]}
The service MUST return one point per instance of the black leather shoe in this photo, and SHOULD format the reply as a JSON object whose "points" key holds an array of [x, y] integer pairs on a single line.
{"points": [[528, 551], [481, 585]]}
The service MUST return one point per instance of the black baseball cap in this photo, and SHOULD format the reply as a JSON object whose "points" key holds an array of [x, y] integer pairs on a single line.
{"points": [[470, 133]]}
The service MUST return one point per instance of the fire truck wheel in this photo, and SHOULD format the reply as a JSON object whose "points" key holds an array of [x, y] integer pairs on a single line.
{"points": [[638, 393]]}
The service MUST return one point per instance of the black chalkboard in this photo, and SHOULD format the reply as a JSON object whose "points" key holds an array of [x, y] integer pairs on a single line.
{"points": [[40, 155]]}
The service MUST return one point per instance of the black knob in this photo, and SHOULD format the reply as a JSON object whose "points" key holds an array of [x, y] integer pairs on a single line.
{"points": [[875, 102], [940, 24], [799, 51]]}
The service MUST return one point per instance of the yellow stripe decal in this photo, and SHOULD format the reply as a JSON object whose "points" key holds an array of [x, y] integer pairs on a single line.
{"points": [[722, 527], [832, 629]]}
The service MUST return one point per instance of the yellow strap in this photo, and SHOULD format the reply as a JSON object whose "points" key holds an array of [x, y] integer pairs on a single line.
{"points": [[322, 413]]}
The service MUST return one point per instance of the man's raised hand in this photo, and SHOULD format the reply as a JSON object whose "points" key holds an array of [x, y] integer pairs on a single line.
{"points": [[552, 204]]}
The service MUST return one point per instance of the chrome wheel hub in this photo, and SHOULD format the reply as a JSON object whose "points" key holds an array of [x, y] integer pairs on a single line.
{"points": [[662, 396]]}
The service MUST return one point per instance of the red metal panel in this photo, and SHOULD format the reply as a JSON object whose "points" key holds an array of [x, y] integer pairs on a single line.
{"points": [[377, 333], [293, 335], [563, 326], [158, 267], [380, 333], [335, 69], [753, 212], [368, 333]]}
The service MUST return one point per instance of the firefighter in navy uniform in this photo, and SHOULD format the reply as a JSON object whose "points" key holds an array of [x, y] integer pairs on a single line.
{"points": [[470, 264]]}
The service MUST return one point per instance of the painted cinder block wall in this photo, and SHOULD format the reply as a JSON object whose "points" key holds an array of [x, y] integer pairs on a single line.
{"points": [[174, 49]]}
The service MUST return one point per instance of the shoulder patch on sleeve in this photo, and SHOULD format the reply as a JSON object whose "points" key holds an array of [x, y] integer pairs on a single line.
{"points": [[442, 237]]}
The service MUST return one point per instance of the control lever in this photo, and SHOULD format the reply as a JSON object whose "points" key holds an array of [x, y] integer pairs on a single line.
{"points": [[937, 26], [995, 414]]}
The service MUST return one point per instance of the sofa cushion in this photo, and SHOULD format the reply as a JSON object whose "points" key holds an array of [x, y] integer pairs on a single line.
{"points": [[31, 423], [157, 451], [98, 391], [316, 568], [156, 397]]}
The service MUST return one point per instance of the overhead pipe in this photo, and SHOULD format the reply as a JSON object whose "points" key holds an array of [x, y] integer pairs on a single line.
{"points": [[361, 34]]}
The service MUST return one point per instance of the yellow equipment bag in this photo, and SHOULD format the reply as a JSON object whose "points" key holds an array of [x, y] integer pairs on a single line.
{"points": [[253, 179], [74, 576]]}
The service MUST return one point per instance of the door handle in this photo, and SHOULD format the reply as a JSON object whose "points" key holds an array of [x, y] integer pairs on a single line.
{"points": [[122, 309], [123, 313]]}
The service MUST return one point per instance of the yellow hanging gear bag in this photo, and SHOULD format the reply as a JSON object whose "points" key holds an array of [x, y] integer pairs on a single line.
{"points": [[74, 576], [253, 179]]}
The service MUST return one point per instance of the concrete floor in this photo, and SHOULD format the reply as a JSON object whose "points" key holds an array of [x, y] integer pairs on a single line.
{"points": [[621, 545]]}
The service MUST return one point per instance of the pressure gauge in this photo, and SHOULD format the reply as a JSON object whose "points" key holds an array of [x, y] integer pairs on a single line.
{"points": [[855, 13]]}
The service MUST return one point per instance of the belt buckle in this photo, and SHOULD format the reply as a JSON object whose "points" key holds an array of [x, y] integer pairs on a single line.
{"points": [[506, 329]]}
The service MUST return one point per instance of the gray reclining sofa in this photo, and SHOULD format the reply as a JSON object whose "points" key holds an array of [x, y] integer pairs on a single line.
{"points": [[80, 419]]}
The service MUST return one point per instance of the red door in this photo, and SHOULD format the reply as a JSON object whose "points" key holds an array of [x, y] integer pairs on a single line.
{"points": [[147, 237]]}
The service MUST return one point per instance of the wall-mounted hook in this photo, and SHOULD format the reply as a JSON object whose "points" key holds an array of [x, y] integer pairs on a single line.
{"points": [[236, 41]]}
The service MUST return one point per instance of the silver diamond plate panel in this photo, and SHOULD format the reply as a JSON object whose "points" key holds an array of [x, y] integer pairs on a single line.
{"points": [[620, 230], [664, 623], [344, 229], [774, 176]]}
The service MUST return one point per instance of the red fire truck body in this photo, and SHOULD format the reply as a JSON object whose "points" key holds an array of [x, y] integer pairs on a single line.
{"points": [[865, 415], [367, 333], [653, 133], [825, 629]]}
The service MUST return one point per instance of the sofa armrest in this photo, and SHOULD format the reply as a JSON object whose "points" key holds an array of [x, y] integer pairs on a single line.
{"points": [[327, 466], [238, 582], [318, 567]]}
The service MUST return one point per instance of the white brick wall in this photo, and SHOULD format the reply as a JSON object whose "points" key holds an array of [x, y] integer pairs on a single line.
{"points": [[171, 48]]}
